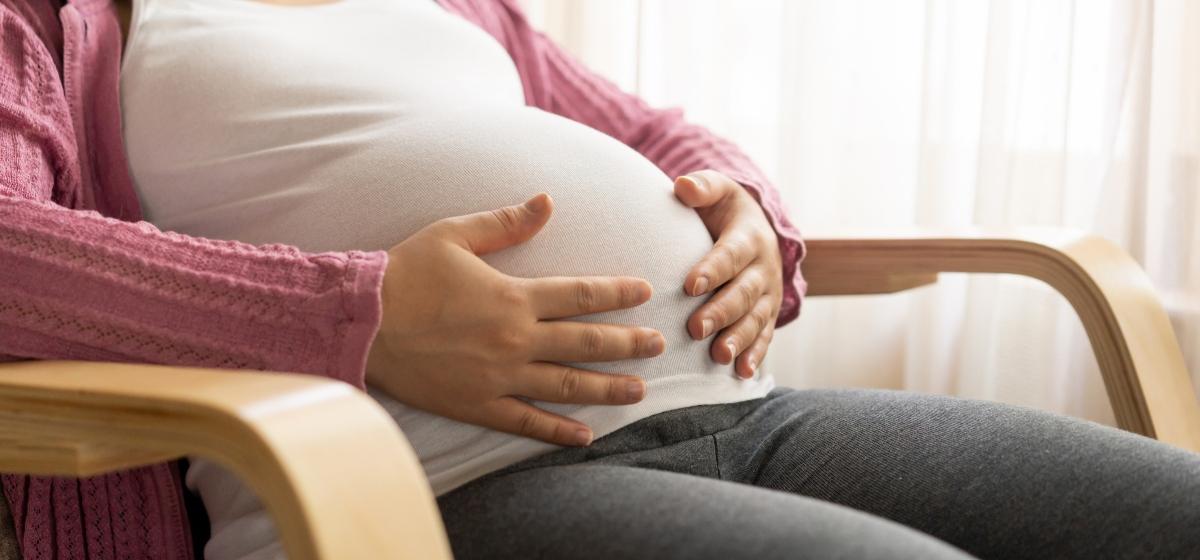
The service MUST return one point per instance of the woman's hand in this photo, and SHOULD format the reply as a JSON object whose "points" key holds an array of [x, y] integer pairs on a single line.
{"points": [[744, 264], [462, 340]]}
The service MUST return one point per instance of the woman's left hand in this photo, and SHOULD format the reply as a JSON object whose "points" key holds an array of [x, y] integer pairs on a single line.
{"points": [[744, 268]]}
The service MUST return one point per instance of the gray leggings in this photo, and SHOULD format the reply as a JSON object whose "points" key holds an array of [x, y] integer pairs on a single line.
{"points": [[840, 474]]}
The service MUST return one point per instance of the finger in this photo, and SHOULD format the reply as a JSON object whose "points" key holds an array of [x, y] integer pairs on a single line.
{"points": [[750, 360], [486, 232], [514, 416], [551, 382], [563, 296], [731, 303], [739, 336], [563, 341], [728, 257], [699, 189]]}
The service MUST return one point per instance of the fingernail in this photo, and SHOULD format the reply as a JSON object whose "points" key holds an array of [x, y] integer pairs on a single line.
{"points": [[536, 203], [583, 437], [698, 181], [753, 367], [706, 327], [656, 345], [645, 291], [732, 350], [634, 390], [699, 286]]}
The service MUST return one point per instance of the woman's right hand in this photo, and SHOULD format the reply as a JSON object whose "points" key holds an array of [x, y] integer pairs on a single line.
{"points": [[462, 340]]}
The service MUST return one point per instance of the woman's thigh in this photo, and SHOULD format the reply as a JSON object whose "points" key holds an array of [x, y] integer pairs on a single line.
{"points": [[992, 479], [611, 512]]}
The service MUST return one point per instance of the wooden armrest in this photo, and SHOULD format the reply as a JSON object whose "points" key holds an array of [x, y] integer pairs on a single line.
{"points": [[1131, 335], [329, 464]]}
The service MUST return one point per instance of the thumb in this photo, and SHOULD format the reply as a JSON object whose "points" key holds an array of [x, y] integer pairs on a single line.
{"points": [[696, 190], [493, 230]]}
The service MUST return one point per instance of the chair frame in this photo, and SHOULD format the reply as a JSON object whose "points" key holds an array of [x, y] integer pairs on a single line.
{"points": [[342, 482]]}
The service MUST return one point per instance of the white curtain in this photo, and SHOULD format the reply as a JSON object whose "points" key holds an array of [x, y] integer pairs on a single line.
{"points": [[875, 113]]}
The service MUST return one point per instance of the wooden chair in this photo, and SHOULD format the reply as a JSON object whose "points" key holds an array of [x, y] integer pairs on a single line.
{"points": [[342, 482]]}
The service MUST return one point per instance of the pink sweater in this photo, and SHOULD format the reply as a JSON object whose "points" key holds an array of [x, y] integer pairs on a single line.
{"points": [[81, 277]]}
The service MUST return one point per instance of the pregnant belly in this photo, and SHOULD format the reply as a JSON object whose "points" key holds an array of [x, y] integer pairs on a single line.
{"points": [[370, 188], [615, 214]]}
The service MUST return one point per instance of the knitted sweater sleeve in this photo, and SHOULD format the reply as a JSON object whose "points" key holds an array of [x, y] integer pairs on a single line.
{"points": [[78, 285], [556, 82]]}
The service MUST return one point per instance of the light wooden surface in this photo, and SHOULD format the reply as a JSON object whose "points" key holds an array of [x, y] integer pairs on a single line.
{"points": [[331, 466], [1143, 368]]}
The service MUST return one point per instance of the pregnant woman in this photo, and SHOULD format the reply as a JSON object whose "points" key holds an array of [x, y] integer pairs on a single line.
{"points": [[350, 188]]}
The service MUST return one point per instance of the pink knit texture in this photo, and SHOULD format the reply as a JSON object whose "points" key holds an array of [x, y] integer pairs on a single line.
{"points": [[82, 277]]}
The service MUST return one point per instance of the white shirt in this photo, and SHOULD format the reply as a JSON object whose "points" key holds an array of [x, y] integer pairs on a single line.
{"points": [[352, 125]]}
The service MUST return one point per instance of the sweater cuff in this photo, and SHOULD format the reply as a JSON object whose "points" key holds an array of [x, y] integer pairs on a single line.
{"points": [[362, 290]]}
